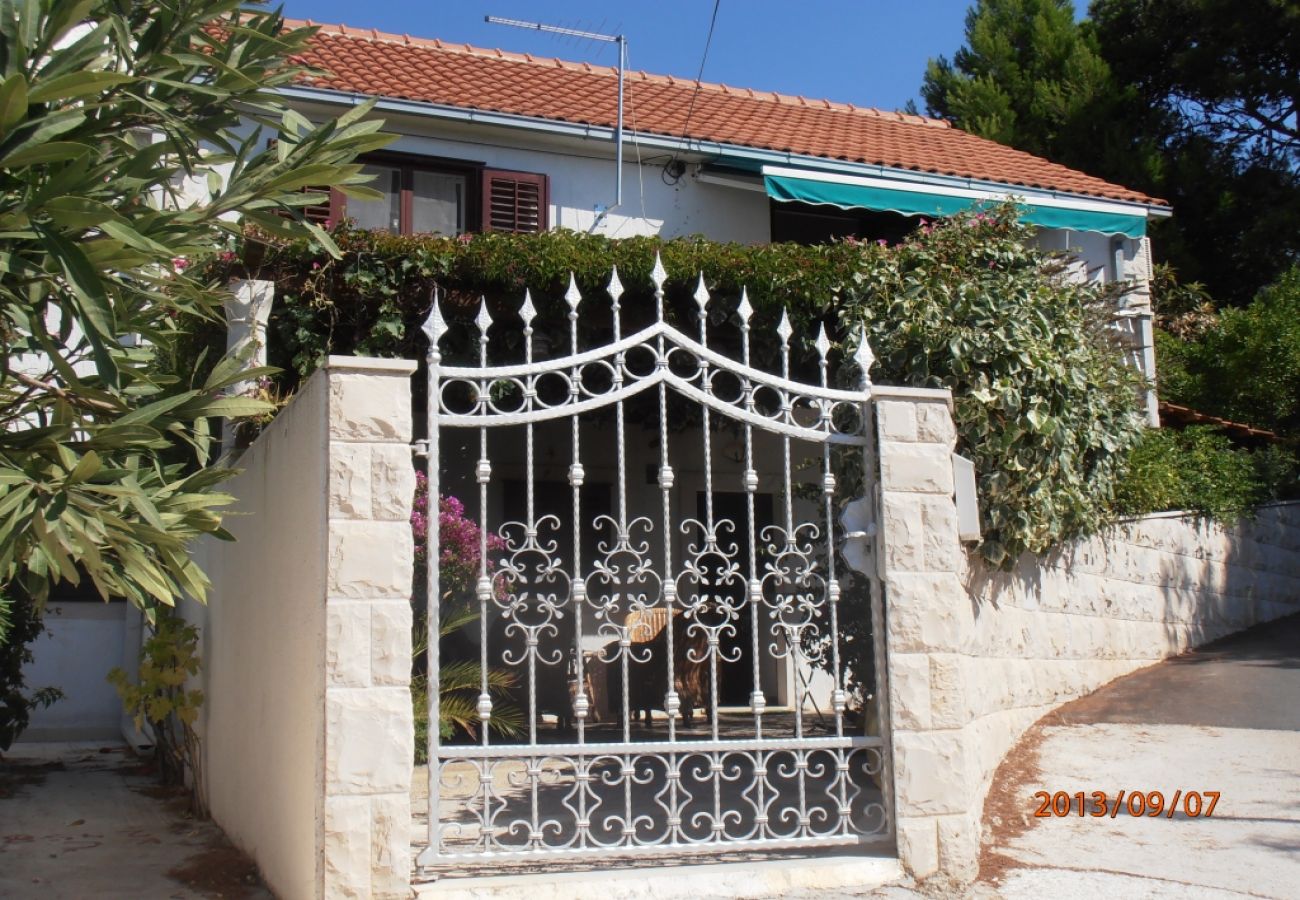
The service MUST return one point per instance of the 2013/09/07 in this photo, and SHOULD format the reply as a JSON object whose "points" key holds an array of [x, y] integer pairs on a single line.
{"points": [[1151, 804]]}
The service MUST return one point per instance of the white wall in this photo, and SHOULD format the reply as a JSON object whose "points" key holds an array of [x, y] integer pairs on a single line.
{"points": [[581, 174], [307, 729], [263, 648], [976, 656], [82, 644]]}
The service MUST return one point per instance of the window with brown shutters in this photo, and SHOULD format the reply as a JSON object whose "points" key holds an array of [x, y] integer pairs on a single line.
{"points": [[325, 211], [441, 196], [514, 201]]}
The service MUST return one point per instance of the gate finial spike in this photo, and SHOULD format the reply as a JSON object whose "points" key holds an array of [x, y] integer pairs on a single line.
{"points": [[657, 274], [573, 296], [783, 328], [615, 288], [528, 312], [744, 309], [434, 326], [701, 294], [484, 318], [823, 343], [863, 356]]}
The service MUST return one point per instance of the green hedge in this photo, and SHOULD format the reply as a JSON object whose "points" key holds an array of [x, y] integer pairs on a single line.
{"points": [[1244, 365], [1199, 470], [1043, 402]]}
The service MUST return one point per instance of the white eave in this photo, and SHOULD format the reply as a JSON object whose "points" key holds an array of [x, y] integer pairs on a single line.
{"points": [[711, 150]]}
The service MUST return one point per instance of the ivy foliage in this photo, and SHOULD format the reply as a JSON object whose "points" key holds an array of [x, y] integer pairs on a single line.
{"points": [[1044, 403]]}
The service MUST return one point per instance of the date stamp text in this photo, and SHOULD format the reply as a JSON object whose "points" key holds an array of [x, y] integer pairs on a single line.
{"points": [[1100, 804]]}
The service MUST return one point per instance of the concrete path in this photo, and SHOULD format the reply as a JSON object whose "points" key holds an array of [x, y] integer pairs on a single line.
{"points": [[1225, 718], [80, 821]]}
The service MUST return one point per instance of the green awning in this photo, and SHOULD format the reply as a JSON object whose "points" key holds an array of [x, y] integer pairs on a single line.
{"points": [[852, 193]]}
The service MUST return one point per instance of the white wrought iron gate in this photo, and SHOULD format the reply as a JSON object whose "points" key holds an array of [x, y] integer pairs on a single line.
{"points": [[623, 634]]}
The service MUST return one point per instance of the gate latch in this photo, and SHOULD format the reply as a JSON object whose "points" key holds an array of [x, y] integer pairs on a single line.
{"points": [[858, 530]]}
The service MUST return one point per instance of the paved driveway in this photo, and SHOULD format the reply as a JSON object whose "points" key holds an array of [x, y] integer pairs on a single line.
{"points": [[1222, 719], [80, 821]]}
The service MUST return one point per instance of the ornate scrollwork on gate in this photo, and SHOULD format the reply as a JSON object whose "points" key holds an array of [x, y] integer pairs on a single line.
{"points": [[629, 631]]}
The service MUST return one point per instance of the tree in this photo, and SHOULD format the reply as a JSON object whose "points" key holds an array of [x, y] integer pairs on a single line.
{"points": [[1245, 365], [1222, 80], [1189, 100], [1227, 69], [110, 110], [1030, 77]]}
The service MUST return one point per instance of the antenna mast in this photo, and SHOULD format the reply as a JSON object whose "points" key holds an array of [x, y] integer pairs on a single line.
{"points": [[619, 39]]}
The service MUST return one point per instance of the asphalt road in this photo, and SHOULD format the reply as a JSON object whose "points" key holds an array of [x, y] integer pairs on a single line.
{"points": [[1248, 680]]}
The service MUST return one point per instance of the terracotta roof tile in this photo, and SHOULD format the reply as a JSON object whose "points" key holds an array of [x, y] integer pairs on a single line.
{"points": [[409, 68]]}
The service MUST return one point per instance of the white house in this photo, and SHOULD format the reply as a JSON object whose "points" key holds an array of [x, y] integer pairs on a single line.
{"points": [[489, 140]]}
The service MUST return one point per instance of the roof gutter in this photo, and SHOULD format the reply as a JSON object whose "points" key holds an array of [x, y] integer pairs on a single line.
{"points": [[605, 134]]}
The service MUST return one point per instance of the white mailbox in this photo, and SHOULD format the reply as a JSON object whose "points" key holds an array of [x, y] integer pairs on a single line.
{"points": [[968, 505]]}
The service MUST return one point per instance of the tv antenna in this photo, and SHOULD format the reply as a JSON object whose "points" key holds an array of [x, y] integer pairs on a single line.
{"points": [[619, 39]]}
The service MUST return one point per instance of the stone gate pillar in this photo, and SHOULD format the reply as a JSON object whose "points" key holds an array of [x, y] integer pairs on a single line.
{"points": [[928, 619]]}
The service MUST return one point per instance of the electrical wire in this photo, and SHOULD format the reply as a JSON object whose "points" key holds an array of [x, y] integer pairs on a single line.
{"points": [[690, 110]]}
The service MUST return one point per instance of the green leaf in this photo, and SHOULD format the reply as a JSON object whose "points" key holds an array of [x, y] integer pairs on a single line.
{"points": [[92, 300], [44, 154], [151, 411], [77, 84], [230, 407], [13, 102], [86, 468], [78, 212]]}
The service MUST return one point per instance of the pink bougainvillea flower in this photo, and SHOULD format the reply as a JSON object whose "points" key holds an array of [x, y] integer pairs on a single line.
{"points": [[460, 540]]}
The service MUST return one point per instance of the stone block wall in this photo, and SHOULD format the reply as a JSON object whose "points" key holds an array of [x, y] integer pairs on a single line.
{"points": [[369, 727], [308, 729], [976, 656]]}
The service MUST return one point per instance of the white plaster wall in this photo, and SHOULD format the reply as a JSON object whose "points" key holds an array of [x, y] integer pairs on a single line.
{"points": [[307, 727], [82, 644], [1093, 254], [581, 174], [581, 180], [263, 651]]}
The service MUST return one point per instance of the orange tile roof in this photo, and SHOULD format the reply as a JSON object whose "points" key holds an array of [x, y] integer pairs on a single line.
{"points": [[400, 66]]}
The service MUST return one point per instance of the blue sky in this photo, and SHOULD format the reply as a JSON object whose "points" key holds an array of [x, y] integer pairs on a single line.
{"points": [[867, 52]]}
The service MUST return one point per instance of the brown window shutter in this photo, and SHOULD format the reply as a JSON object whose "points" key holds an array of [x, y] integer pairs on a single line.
{"points": [[327, 212], [514, 201]]}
